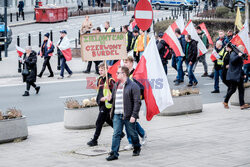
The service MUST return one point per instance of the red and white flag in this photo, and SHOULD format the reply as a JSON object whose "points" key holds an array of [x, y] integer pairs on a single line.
{"points": [[67, 54], [20, 51], [242, 38], [173, 42], [214, 55], [150, 73], [179, 23], [204, 28], [113, 69], [189, 29]]}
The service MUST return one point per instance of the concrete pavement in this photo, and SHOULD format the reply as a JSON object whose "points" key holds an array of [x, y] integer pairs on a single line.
{"points": [[216, 137]]}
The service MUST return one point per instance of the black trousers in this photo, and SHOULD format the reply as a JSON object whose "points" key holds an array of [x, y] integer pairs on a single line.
{"points": [[137, 58], [46, 63], [96, 66], [28, 84], [232, 88], [104, 116]]}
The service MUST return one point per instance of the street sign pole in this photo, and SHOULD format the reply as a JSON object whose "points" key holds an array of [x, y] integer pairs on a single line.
{"points": [[145, 40], [5, 31], [111, 12]]}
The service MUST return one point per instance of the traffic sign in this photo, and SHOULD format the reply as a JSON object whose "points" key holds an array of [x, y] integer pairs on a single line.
{"points": [[143, 14]]}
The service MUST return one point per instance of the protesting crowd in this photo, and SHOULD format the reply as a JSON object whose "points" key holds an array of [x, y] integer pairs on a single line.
{"points": [[119, 93]]}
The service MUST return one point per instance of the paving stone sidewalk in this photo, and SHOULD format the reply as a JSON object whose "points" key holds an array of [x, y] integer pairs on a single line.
{"points": [[214, 138]]}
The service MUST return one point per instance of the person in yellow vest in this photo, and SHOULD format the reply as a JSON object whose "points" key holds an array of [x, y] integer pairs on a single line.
{"points": [[129, 63], [104, 88], [140, 44], [134, 43]]}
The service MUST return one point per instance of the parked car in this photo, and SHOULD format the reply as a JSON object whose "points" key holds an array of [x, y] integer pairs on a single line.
{"points": [[158, 4], [2, 35]]}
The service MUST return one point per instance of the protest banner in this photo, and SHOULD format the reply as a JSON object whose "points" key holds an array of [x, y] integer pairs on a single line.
{"points": [[103, 46]]}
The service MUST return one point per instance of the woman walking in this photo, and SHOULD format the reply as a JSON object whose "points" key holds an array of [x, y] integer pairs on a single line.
{"points": [[30, 70]]}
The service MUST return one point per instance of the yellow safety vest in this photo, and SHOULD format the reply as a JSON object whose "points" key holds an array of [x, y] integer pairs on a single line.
{"points": [[109, 29], [106, 92], [135, 45], [223, 54]]}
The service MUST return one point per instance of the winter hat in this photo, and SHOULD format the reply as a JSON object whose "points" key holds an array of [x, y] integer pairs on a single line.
{"points": [[46, 35]]}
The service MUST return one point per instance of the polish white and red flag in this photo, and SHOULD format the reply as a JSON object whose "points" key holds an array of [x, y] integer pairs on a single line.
{"points": [[204, 28], [171, 39], [242, 38], [20, 51], [214, 55], [65, 48], [189, 29], [150, 73]]}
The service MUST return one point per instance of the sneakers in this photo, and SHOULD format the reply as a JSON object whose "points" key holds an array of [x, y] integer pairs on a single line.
{"points": [[26, 93], [136, 151], [195, 83], [60, 77], [92, 143], [189, 85], [245, 106], [204, 75], [37, 89], [86, 72], [69, 75], [51, 75], [225, 105], [40, 76], [144, 139], [215, 91], [128, 147], [112, 157]]}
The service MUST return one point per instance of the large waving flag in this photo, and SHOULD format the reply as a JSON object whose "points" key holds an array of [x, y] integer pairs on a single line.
{"points": [[20, 51], [189, 29], [150, 73], [179, 23], [173, 42], [242, 38], [204, 28], [67, 54]]}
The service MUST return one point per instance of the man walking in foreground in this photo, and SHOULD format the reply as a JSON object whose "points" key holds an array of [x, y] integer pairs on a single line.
{"points": [[125, 111]]}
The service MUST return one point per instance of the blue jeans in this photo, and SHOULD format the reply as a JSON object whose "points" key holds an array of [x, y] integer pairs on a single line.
{"points": [[246, 71], [93, 1], [180, 73], [191, 76], [64, 65], [217, 74], [139, 130], [118, 124]]}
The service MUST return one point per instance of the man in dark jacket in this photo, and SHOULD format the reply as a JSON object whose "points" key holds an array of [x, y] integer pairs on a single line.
{"points": [[162, 47], [20, 8], [191, 52], [104, 106], [29, 64], [226, 57], [125, 111], [202, 58], [179, 59], [46, 52], [235, 75]]}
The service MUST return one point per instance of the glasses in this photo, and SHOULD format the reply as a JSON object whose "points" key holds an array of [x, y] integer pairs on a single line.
{"points": [[119, 73]]}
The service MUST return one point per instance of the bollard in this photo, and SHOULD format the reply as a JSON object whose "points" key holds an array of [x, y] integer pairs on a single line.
{"points": [[16, 16], [58, 62], [19, 63], [40, 39], [120, 28], [23, 15], [172, 12], [157, 20], [76, 43], [79, 37], [10, 17], [51, 35], [34, 15], [29, 40], [166, 18], [169, 18], [0, 55], [188, 15]]}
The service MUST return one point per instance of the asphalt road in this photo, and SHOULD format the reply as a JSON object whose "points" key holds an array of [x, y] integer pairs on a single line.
{"points": [[48, 105]]}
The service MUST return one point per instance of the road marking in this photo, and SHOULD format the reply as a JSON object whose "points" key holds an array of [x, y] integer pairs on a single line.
{"points": [[43, 83], [65, 97]]}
